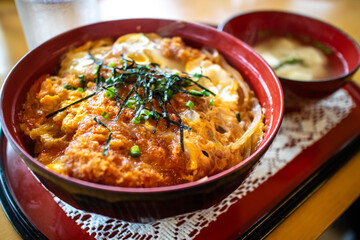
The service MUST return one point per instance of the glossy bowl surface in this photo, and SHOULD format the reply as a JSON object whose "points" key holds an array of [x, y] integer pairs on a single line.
{"points": [[141, 204], [344, 56]]}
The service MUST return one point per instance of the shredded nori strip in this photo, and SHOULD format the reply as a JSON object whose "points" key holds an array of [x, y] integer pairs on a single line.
{"points": [[156, 84], [181, 128], [71, 104], [107, 144], [238, 117]]}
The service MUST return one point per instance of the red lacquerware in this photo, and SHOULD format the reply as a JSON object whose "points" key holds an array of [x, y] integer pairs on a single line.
{"points": [[344, 56], [49, 218], [141, 204]]}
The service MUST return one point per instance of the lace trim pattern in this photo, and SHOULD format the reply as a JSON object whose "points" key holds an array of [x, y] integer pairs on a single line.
{"points": [[300, 129]]}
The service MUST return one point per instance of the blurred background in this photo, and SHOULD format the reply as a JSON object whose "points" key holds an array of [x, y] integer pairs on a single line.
{"points": [[339, 13]]}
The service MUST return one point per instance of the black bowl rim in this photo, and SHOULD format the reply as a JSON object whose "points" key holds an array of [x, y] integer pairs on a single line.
{"points": [[342, 33], [129, 190]]}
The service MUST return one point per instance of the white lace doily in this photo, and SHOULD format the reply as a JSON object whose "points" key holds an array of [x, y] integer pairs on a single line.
{"points": [[299, 129]]}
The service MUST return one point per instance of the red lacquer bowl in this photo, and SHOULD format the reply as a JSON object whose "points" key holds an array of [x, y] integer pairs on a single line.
{"points": [[342, 51], [141, 204]]}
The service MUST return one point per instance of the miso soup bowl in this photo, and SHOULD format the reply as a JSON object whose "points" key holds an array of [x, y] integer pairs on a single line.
{"points": [[340, 49], [141, 204]]}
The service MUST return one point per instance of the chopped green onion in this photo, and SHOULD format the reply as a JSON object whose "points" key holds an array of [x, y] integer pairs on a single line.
{"points": [[69, 87], [96, 69], [323, 47], [187, 82], [144, 114], [80, 89], [112, 64], [170, 93], [197, 75], [196, 93], [190, 104], [136, 120], [105, 115], [159, 86], [109, 80], [211, 102], [131, 102], [154, 115], [82, 80], [135, 151], [238, 116], [293, 60], [205, 93], [148, 82], [110, 92]]}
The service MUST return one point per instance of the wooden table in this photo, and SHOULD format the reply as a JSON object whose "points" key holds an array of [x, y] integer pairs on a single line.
{"points": [[332, 198]]}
